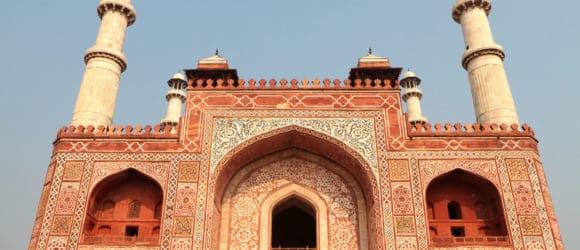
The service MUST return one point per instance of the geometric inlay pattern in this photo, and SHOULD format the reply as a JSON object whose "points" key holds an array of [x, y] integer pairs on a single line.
{"points": [[73, 171], [61, 225], [402, 199], [517, 169], [156, 170], [186, 193], [181, 244], [57, 243], [357, 133], [406, 243], [530, 225], [183, 226], [399, 170], [432, 168], [188, 171], [405, 225], [67, 198], [534, 243], [524, 198]]}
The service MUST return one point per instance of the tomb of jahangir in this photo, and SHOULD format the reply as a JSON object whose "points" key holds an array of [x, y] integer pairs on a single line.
{"points": [[297, 163]]}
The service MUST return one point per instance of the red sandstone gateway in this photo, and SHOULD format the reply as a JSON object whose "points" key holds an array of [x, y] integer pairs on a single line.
{"points": [[295, 164]]}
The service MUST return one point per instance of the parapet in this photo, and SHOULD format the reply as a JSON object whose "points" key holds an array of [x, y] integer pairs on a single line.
{"points": [[118, 132], [469, 130], [283, 84]]}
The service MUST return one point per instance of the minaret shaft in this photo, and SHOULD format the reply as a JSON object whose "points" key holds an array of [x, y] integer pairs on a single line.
{"points": [[412, 96], [414, 109], [175, 98], [112, 31], [105, 62], [173, 109], [483, 60]]}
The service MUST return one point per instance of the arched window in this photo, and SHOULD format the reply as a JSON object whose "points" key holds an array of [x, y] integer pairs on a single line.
{"points": [[454, 211], [293, 224], [462, 211], [134, 210]]}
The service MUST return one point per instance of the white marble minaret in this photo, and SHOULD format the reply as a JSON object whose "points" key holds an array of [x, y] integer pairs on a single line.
{"points": [[105, 62], [412, 96], [483, 60], [175, 98]]}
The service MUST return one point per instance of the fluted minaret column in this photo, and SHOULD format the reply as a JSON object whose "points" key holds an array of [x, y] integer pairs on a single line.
{"points": [[105, 62], [412, 96], [175, 98], [483, 60]]}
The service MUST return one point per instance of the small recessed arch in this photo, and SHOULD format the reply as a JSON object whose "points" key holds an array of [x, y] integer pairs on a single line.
{"points": [[297, 192], [463, 206]]}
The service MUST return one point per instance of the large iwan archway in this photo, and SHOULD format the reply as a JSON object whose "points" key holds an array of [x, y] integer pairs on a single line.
{"points": [[313, 155], [293, 180]]}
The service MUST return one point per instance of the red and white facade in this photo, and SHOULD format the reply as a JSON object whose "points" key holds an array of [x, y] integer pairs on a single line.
{"points": [[246, 153]]}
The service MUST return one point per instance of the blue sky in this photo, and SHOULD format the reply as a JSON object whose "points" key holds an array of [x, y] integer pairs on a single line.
{"points": [[43, 42]]}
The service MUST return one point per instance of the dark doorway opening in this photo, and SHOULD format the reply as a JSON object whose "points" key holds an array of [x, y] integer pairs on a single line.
{"points": [[458, 231], [294, 224], [131, 231]]}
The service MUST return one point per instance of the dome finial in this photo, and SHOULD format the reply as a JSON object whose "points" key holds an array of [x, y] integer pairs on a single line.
{"points": [[217, 52], [370, 50]]}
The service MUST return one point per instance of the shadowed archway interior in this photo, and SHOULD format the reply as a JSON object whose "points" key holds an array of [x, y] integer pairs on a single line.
{"points": [[293, 224]]}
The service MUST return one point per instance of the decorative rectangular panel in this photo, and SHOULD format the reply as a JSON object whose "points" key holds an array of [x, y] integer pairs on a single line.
{"points": [[517, 169], [399, 170], [188, 171], [183, 226], [186, 195], [73, 171], [61, 225], [404, 225], [67, 198]]}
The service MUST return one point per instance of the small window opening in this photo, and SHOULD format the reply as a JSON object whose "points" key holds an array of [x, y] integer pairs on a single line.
{"points": [[458, 231], [454, 211], [134, 209], [131, 231]]}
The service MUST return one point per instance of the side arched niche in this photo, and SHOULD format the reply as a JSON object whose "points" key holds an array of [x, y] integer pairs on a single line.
{"points": [[465, 209], [122, 210], [310, 148]]}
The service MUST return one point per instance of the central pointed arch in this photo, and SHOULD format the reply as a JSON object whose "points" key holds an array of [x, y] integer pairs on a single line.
{"points": [[300, 138], [287, 192], [284, 143]]}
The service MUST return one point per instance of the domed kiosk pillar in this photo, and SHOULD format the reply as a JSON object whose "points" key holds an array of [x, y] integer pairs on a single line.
{"points": [[175, 98], [412, 96]]}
